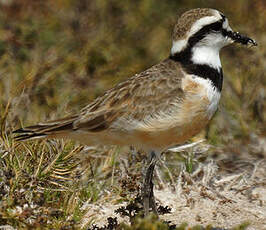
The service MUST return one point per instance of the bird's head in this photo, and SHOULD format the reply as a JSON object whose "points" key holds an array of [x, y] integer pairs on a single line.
{"points": [[204, 30]]}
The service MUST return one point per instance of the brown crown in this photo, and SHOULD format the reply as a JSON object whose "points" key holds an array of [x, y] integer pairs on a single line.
{"points": [[185, 22]]}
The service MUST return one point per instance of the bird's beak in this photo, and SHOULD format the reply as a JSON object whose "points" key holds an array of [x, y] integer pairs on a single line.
{"points": [[239, 38]]}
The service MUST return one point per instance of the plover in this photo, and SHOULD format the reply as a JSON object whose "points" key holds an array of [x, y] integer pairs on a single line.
{"points": [[160, 107]]}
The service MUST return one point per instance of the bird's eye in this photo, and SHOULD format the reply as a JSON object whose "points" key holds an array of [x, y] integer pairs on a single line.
{"points": [[216, 26]]}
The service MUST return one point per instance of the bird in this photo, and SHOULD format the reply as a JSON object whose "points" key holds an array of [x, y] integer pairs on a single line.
{"points": [[160, 107]]}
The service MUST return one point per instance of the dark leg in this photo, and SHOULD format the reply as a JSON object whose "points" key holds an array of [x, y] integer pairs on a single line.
{"points": [[147, 187]]}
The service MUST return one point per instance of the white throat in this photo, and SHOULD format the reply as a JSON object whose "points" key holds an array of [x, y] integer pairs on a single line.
{"points": [[208, 55]]}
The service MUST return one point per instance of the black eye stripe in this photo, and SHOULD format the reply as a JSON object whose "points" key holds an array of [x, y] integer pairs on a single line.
{"points": [[216, 26], [205, 29]]}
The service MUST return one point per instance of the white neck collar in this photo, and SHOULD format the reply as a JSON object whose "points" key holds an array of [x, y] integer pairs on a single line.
{"points": [[206, 55]]}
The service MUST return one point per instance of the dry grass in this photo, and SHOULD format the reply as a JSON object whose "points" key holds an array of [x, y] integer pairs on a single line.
{"points": [[55, 56]]}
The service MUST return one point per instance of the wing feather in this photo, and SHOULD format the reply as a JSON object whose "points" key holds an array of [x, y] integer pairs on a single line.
{"points": [[143, 95], [132, 101]]}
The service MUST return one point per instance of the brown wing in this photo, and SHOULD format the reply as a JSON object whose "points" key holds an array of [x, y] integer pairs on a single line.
{"points": [[142, 95]]}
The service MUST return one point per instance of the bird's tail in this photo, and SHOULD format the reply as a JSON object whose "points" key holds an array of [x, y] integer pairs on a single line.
{"points": [[45, 130]]}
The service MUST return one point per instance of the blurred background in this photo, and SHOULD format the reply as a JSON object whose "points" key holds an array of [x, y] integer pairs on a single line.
{"points": [[56, 56]]}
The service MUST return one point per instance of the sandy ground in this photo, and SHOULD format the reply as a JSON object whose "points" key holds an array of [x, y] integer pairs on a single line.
{"points": [[206, 197]]}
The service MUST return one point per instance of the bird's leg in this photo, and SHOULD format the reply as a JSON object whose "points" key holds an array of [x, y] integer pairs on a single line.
{"points": [[147, 187], [152, 200]]}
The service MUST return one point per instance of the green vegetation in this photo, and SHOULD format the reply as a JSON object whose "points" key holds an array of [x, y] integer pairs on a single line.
{"points": [[56, 56]]}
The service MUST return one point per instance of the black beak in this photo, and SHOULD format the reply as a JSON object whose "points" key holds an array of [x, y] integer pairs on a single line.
{"points": [[239, 38]]}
